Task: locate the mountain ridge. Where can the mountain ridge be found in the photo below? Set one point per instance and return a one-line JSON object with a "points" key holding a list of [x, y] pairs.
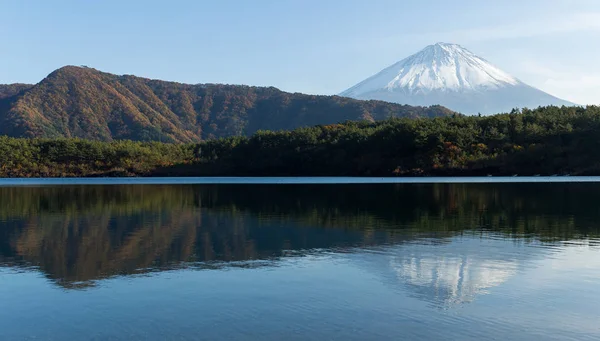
{"points": [[9, 90], [451, 76], [84, 102]]}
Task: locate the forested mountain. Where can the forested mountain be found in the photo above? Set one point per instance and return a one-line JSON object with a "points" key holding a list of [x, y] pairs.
{"points": [[86, 103], [8, 90]]}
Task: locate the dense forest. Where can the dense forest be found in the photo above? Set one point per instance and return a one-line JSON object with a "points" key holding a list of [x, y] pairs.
{"points": [[81, 102], [546, 141], [9, 90]]}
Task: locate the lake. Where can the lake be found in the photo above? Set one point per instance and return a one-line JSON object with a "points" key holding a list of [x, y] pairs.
{"points": [[305, 259]]}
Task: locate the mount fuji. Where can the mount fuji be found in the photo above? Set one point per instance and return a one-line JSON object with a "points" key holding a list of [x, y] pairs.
{"points": [[452, 76]]}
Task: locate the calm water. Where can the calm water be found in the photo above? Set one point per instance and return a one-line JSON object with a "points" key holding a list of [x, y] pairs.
{"points": [[300, 262]]}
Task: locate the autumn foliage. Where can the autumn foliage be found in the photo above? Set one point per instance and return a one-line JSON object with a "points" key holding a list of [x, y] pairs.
{"points": [[548, 140], [81, 102]]}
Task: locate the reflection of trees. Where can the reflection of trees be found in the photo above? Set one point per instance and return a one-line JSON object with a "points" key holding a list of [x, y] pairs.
{"points": [[547, 211], [81, 233], [80, 248]]}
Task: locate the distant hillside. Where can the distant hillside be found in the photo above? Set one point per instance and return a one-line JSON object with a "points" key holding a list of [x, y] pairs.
{"points": [[86, 103]]}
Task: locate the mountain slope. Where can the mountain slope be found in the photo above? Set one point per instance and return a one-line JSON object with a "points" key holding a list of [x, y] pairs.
{"points": [[8, 90], [86, 103], [452, 76]]}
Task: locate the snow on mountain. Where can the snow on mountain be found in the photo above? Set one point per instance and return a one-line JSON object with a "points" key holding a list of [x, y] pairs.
{"points": [[450, 75]]}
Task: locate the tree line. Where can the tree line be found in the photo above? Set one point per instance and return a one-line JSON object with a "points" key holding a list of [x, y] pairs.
{"points": [[546, 141]]}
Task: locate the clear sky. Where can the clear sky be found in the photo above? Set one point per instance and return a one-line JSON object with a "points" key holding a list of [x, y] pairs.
{"points": [[311, 46]]}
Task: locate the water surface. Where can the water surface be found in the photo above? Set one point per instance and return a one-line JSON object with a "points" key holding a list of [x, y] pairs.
{"points": [[292, 180], [369, 261]]}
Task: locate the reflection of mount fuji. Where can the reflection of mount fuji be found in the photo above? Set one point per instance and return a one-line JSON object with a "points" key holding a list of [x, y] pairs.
{"points": [[450, 273], [81, 234]]}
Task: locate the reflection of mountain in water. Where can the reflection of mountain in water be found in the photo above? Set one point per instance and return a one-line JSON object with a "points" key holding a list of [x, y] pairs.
{"points": [[447, 272], [84, 233], [453, 274]]}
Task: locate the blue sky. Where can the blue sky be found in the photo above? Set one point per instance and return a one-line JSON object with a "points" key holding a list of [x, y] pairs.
{"points": [[311, 46]]}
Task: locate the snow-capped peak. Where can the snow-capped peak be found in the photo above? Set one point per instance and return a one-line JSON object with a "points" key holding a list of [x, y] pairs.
{"points": [[440, 67]]}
